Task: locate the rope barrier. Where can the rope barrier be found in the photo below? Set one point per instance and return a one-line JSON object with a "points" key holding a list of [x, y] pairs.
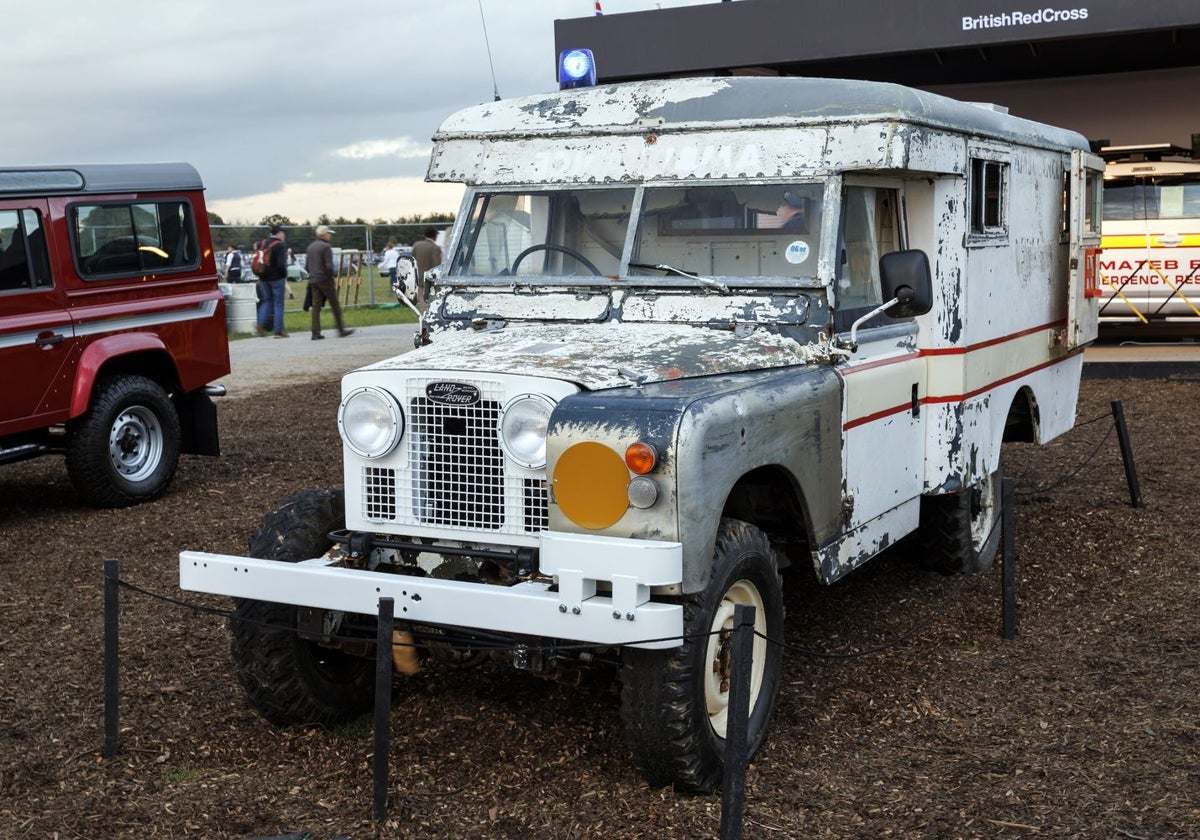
{"points": [[1055, 485]]}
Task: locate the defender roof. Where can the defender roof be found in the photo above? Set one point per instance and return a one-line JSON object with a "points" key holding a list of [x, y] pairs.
{"points": [[742, 102], [92, 178]]}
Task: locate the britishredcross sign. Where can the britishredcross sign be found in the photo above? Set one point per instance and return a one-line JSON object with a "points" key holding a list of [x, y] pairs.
{"points": [[1013, 19]]}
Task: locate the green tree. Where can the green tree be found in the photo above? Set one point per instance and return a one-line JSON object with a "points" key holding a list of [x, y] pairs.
{"points": [[276, 219]]}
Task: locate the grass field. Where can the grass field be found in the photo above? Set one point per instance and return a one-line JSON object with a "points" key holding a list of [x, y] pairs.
{"points": [[367, 303]]}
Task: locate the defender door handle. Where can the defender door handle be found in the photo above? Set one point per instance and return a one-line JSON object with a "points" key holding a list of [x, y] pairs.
{"points": [[49, 339]]}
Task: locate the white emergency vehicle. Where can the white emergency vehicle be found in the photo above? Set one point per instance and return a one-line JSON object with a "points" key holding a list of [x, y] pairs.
{"points": [[688, 332], [1149, 268]]}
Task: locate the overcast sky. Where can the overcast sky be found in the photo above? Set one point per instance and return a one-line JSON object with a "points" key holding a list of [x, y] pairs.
{"points": [[300, 107]]}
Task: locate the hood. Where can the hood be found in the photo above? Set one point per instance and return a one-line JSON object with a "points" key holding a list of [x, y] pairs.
{"points": [[607, 355]]}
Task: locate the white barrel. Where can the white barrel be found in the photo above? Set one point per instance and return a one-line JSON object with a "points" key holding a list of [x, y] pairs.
{"points": [[241, 305]]}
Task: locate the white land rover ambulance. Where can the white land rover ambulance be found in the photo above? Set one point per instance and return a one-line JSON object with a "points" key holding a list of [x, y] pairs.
{"points": [[687, 333]]}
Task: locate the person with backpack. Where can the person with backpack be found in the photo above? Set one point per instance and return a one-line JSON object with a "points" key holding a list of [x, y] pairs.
{"points": [[269, 263], [233, 264]]}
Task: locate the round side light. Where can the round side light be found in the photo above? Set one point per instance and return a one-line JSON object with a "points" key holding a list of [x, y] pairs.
{"points": [[643, 492]]}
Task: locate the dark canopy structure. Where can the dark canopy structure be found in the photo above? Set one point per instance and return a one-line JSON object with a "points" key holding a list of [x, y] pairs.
{"points": [[1109, 68]]}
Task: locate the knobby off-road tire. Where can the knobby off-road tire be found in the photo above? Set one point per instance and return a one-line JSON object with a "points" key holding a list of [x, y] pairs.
{"points": [[291, 680], [124, 449], [674, 702], [960, 532]]}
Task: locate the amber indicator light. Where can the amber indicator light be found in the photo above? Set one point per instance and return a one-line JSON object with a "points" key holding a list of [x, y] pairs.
{"points": [[641, 458]]}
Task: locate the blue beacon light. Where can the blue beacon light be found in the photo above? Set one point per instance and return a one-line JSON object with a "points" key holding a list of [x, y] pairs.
{"points": [[576, 68]]}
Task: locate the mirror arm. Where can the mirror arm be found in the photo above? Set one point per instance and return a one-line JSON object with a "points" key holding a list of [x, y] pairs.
{"points": [[852, 344]]}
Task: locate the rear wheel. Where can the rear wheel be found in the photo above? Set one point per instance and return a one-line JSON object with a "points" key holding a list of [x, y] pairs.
{"points": [[124, 449], [675, 703], [289, 679], [960, 532]]}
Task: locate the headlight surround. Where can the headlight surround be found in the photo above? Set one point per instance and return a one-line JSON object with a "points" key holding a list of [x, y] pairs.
{"points": [[370, 422], [524, 422]]}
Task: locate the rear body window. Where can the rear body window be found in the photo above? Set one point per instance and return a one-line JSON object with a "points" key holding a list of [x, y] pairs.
{"points": [[23, 262], [147, 237]]}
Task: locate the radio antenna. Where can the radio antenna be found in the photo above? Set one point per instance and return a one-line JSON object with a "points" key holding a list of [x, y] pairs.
{"points": [[487, 43]]}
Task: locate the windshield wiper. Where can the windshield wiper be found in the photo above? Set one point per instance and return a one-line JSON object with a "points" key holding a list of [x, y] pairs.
{"points": [[670, 269]]}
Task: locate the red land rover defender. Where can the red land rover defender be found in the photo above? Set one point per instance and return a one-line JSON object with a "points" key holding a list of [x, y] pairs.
{"points": [[111, 324]]}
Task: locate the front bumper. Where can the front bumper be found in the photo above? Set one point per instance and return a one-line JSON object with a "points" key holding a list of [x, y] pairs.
{"points": [[580, 564]]}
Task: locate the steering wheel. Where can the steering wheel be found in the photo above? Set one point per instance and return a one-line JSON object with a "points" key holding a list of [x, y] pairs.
{"points": [[570, 252]]}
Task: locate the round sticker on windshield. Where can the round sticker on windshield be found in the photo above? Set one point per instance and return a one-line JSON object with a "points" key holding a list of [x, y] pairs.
{"points": [[797, 252]]}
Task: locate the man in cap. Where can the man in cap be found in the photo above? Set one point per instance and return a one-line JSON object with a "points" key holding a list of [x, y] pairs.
{"points": [[428, 254], [319, 263]]}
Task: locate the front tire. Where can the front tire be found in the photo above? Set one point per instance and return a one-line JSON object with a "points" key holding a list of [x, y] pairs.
{"points": [[290, 680], [674, 703], [124, 449]]}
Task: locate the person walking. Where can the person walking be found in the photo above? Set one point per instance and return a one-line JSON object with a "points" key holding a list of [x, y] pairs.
{"points": [[273, 284], [318, 260], [428, 254]]}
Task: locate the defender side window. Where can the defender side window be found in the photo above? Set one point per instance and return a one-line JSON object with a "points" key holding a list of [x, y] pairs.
{"points": [[143, 238], [988, 186], [870, 229], [24, 265]]}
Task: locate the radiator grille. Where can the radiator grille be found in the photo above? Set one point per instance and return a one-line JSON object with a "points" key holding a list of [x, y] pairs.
{"points": [[457, 476], [457, 464]]}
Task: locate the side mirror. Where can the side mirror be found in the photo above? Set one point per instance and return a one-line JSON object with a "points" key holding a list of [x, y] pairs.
{"points": [[905, 276]]}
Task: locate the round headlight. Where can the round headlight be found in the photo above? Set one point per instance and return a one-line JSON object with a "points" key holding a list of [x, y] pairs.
{"points": [[523, 425], [371, 422]]}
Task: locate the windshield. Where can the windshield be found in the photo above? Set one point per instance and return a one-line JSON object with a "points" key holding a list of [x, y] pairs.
{"points": [[737, 231], [545, 234], [730, 231], [1175, 197]]}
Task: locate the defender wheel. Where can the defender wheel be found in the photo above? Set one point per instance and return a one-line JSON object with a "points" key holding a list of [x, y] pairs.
{"points": [[291, 680], [960, 532], [125, 447], [674, 703]]}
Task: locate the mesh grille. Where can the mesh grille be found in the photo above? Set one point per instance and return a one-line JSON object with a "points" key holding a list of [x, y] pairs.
{"points": [[379, 493], [456, 475], [535, 509], [457, 465]]}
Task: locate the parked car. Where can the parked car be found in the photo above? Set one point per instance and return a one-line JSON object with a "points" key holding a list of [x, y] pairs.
{"points": [[112, 328]]}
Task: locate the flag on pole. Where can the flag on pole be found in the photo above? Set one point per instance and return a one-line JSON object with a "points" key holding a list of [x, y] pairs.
{"points": [[598, 12]]}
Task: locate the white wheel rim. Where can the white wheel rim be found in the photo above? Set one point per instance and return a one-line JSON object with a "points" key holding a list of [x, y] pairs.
{"points": [[718, 665], [981, 523], [135, 443]]}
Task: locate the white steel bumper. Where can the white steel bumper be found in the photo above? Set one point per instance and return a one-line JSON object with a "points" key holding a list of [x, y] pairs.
{"points": [[575, 612]]}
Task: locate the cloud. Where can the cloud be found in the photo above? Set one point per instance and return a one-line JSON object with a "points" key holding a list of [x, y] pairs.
{"points": [[376, 198], [401, 147]]}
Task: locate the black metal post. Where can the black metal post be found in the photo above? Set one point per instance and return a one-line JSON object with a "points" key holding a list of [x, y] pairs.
{"points": [[1008, 548], [1131, 476], [737, 724], [383, 706], [112, 578]]}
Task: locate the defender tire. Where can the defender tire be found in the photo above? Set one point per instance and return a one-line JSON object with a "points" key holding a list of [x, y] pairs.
{"points": [[124, 449], [290, 680], [674, 702], [960, 532]]}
